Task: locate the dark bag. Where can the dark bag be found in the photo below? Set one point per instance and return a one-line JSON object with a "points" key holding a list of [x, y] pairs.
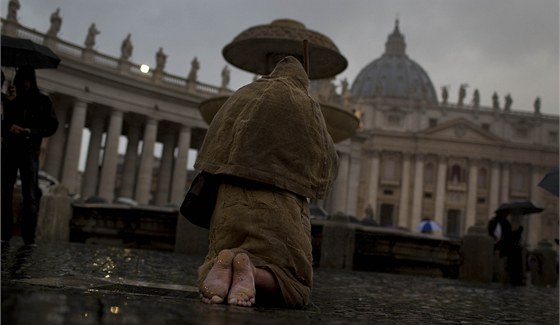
{"points": [[198, 205]]}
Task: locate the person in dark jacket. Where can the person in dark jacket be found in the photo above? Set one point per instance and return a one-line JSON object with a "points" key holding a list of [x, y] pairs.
{"points": [[508, 244], [28, 116]]}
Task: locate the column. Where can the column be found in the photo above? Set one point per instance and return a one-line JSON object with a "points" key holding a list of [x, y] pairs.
{"points": [[340, 189], [505, 183], [179, 180], [73, 146], [404, 216], [55, 150], [91, 173], [146, 167], [130, 159], [535, 221], [471, 196], [418, 191], [494, 202], [373, 182], [354, 180], [440, 190], [164, 176], [110, 157]]}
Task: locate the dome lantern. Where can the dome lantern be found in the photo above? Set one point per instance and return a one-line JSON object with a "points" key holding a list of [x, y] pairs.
{"points": [[394, 75], [395, 44]]}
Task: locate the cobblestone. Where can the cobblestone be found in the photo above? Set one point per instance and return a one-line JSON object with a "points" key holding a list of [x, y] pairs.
{"points": [[69, 283]]}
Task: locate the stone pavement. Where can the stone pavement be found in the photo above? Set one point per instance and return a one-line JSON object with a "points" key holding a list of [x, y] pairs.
{"points": [[69, 283]]}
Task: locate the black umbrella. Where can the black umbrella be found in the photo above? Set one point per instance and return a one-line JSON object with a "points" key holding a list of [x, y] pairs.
{"points": [[20, 52], [526, 207], [550, 181]]}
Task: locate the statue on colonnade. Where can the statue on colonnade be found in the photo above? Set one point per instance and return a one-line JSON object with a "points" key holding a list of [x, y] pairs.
{"points": [[161, 59], [90, 38], [537, 105], [13, 7], [10, 26], [56, 22], [225, 77], [195, 65], [126, 48]]}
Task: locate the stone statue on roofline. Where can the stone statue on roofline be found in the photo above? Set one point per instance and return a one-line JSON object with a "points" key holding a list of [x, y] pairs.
{"points": [[195, 65], [509, 102], [225, 77], [495, 101], [161, 59], [444, 94], [126, 48], [90, 38], [476, 99], [56, 22], [537, 105], [13, 7], [462, 93]]}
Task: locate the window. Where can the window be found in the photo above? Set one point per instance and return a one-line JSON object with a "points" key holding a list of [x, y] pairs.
{"points": [[553, 137], [483, 178], [386, 215], [394, 120], [453, 228], [429, 174], [390, 169], [455, 174], [521, 132], [486, 126], [432, 122], [518, 182]]}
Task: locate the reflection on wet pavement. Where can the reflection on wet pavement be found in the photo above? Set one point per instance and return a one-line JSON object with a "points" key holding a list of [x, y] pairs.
{"points": [[68, 283]]}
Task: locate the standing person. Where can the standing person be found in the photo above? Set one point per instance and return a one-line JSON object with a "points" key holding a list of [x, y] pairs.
{"points": [[508, 244], [28, 117], [270, 147]]}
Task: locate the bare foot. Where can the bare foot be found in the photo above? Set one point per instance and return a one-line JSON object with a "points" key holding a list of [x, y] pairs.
{"points": [[242, 291], [215, 287]]}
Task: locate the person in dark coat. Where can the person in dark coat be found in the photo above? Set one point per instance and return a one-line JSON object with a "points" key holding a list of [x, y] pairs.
{"points": [[28, 117], [508, 244]]}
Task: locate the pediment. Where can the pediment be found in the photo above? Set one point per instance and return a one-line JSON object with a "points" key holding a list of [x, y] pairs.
{"points": [[459, 129]]}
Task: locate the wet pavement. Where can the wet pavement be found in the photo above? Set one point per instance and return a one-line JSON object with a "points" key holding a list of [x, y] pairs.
{"points": [[70, 283]]}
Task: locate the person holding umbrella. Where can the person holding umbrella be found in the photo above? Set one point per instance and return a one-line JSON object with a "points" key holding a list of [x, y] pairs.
{"points": [[28, 117], [505, 227]]}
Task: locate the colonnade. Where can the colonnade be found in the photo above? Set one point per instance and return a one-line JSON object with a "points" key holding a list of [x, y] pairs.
{"points": [[102, 176], [366, 170]]}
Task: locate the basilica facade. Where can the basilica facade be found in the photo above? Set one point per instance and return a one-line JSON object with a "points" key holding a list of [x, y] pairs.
{"points": [[414, 155]]}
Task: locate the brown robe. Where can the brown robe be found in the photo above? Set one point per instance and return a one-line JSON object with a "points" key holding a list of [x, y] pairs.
{"points": [[270, 132]]}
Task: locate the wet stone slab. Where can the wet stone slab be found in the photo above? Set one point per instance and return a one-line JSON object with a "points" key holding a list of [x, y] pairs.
{"points": [[87, 284]]}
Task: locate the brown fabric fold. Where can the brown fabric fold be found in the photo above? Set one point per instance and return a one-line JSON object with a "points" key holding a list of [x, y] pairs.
{"points": [[270, 137], [272, 131], [272, 226]]}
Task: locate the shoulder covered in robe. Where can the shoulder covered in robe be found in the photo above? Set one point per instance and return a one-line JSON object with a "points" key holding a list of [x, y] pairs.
{"points": [[272, 131]]}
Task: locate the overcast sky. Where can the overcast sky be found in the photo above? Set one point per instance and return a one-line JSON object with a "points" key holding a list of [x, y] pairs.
{"points": [[507, 46]]}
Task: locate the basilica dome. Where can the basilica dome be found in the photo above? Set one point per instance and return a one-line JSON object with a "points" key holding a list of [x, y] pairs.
{"points": [[394, 74]]}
